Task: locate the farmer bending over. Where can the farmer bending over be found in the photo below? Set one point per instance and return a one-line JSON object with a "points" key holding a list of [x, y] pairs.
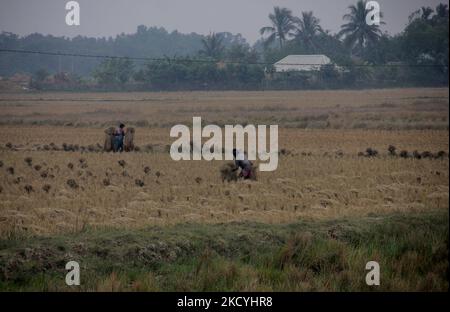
{"points": [[119, 134], [242, 162]]}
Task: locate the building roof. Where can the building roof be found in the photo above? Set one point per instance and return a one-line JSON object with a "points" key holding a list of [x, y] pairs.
{"points": [[302, 62]]}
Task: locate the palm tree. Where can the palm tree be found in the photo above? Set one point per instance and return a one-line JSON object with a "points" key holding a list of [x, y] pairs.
{"points": [[357, 32], [308, 28], [212, 46], [442, 11], [282, 26], [426, 13]]}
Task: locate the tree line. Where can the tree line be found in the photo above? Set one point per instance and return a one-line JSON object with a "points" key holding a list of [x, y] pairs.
{"points": [[418, 56]]}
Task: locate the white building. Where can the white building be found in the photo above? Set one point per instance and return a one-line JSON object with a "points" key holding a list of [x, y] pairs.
{"points": [[306, 63]]}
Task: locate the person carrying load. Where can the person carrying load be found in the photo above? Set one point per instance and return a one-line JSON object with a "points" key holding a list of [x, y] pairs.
{"points": [[242, 162], [119, 134]]}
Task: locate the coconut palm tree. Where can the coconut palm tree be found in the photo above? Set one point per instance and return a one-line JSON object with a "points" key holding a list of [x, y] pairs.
{"points": [[358, 34], [212, 46], [442, 11], [282, 26], [308, 29], [426, 13]]}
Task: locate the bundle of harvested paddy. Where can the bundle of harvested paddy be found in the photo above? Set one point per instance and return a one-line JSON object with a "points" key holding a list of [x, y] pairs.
{"points": [[228, 172]]}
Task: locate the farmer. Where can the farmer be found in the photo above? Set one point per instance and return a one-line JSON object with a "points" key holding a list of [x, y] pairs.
{"points": [[119, 134], [242, 162]]}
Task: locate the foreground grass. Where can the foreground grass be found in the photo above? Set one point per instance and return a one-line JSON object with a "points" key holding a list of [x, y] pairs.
{"points": [[412, 250]]}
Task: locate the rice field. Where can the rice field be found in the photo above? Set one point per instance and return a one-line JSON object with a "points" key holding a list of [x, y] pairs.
{"points": [[335, 162]]}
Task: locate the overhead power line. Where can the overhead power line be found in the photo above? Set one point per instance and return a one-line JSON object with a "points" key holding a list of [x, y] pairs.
{"points": [[180, 60]]}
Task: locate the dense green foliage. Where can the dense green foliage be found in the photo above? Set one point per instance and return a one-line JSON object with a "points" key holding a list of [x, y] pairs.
{"points": [[418, 56]]}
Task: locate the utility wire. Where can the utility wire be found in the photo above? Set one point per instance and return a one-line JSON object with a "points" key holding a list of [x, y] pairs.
{"points": [[181, 60]]}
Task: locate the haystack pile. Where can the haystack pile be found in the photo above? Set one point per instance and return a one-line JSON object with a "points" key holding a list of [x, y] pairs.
{"points": [[109, 139], [228, 172], [128, 141]]}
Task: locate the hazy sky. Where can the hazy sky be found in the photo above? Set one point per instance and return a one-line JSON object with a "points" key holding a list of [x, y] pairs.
{"points": [[110, 17]]}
